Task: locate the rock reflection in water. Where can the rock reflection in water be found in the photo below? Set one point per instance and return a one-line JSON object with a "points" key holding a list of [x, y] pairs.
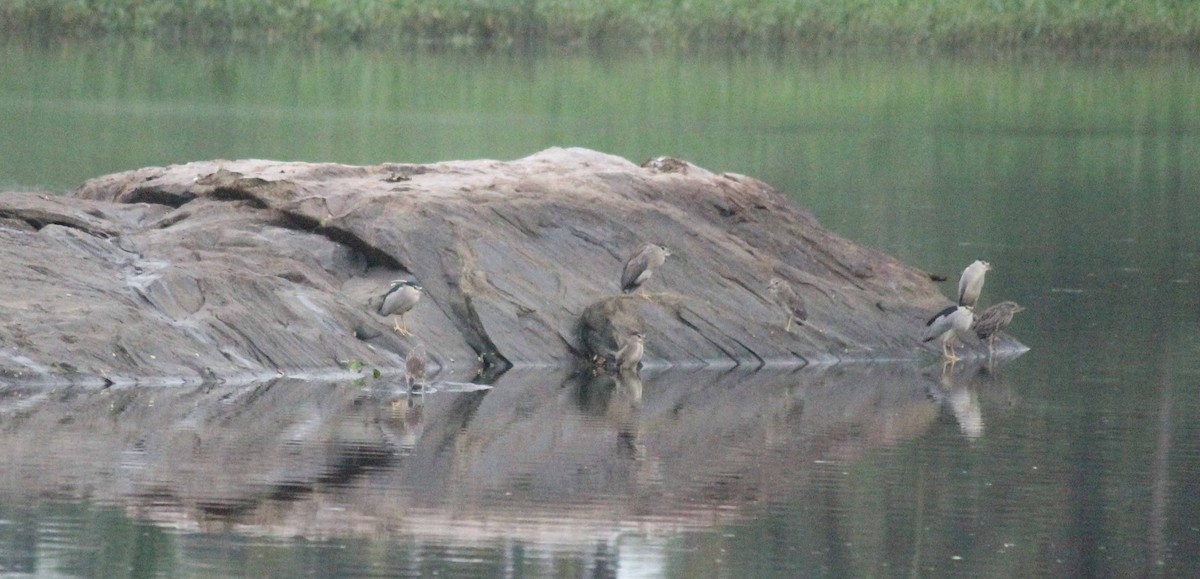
{"points": [[558, 461]]}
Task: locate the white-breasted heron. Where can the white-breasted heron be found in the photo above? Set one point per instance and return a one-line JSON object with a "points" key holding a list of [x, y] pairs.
{"points": [[992, 320], [641, 266], [948, 324], [791, 302], [971, 283], [401, 297]]}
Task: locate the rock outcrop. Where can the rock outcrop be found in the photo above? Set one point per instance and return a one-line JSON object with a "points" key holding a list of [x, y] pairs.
{"points": [[237, 270]]}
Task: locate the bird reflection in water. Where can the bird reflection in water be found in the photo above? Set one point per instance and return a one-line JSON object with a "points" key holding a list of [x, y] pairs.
{"points": [[403, 425], [959, 388], [955, 391], [618, 399]]}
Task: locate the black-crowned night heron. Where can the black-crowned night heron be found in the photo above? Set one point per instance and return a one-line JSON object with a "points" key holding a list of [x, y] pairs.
{"points": [[948, 324], [401, 297], [971, 283], [994, 319], [630, 352], [789, 300], [414, 366], [641, 266]]}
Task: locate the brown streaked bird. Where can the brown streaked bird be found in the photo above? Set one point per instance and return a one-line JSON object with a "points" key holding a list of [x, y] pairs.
{"points": [[970, 285], [414, 366], [789, 300], [641, 266], [949, 324], [993, 320]]}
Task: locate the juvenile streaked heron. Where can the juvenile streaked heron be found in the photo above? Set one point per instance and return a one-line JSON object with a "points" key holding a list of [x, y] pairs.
{"points": [[414, 366], [401, 297], [948, 324], [789, 300], [641, 266], [631, 351], [971, 283], [992, 320]]}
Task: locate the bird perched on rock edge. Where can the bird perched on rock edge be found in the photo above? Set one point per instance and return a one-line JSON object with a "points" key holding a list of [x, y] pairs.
{"points": [[630, 352], [971, 283], [948, 324], [992, 320], [789, 300], [414, 366], [400, 298], [641, 266]]}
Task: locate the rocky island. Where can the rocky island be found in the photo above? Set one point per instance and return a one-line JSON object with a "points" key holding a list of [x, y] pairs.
{"points": [[244, 270]]}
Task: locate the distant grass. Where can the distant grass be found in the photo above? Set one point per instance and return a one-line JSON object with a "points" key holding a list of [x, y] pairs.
{"points": [[686, 24]]}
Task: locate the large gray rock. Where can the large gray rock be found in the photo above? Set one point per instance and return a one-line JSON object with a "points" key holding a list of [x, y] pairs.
{"points": [[237, 270]]}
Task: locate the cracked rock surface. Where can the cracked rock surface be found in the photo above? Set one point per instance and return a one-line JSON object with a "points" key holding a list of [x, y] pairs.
{"points": [[217, 270]]}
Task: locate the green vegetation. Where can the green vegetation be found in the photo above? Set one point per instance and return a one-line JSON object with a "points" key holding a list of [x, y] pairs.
{"points": [[731, 24]]}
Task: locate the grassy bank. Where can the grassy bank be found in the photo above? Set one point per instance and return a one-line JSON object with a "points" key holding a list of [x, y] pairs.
{"points": [[749, 24]]}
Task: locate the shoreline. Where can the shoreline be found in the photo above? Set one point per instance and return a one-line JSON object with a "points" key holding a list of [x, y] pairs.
{"points": [[963, 27]]}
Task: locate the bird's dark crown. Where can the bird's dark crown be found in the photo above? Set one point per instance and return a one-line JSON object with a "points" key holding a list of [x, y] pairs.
{"points": [[399, 283]]}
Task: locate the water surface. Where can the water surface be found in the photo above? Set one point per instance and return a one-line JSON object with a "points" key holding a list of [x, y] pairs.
{"points": [[1076, 179]]}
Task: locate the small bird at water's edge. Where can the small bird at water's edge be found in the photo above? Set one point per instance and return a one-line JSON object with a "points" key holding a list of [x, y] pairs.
{"points": [[414, 366], [949, 324], [993, 320], [630, 352]]}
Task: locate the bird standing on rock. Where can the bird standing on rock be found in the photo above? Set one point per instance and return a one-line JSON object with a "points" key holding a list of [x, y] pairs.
{"points": [[630, 352], [401, 297], [992, 320], [414, 366], [789, 300], [948, 324], [971, 283], [641, 266]]}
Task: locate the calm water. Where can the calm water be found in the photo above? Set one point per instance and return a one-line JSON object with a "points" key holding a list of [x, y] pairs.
{"points": [[1078, 180]]}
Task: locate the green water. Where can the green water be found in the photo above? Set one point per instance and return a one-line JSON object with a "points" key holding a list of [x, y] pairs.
{"points": [[1077, 179]]}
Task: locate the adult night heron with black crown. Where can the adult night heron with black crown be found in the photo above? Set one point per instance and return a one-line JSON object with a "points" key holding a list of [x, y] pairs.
{"points": [[398, 300], [948, 324], [970, 285]]}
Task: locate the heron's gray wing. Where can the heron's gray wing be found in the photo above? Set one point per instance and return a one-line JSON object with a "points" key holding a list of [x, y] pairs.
{"points": [[939, 324]]}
